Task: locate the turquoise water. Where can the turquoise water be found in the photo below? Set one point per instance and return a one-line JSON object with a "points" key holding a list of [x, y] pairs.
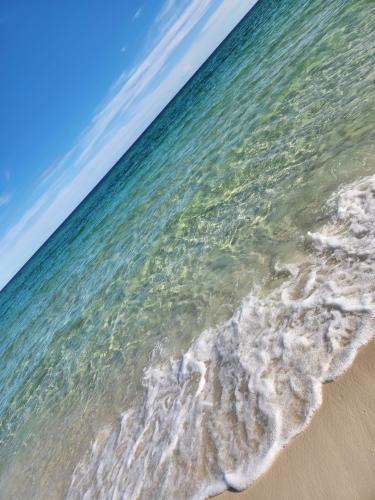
{"points": [[215, 198]]}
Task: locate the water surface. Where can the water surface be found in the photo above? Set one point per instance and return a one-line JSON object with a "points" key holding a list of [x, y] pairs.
{"points": [[210, 204]]}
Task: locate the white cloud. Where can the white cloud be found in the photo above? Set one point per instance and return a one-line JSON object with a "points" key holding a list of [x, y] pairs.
{"points": [[134, 101], [5, 199], [165, 11], [52, 167], [131, 86], [137, 14], [227, 15]]}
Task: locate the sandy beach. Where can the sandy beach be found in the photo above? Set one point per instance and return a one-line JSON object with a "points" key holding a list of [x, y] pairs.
{"points": [[335, 457]]}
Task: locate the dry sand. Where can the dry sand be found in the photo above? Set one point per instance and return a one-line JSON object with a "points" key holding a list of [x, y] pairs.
{"points": [[334, 459]]}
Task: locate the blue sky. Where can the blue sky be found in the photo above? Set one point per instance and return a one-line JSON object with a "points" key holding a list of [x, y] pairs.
{"points": [[80, 81]]}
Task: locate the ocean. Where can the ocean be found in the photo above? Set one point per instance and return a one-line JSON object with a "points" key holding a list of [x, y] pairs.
{"points": [[175, 332]]}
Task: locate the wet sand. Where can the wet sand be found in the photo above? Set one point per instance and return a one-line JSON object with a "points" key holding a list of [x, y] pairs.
{"points": [[334, 458]]}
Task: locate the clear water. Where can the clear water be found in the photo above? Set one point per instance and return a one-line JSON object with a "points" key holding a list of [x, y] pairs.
{"points": [[210, 203]]}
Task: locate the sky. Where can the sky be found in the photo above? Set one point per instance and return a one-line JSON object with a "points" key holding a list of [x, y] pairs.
{"points": [[79, 82]]}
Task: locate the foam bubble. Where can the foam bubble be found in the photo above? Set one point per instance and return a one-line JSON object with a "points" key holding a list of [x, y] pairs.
{"points": [[217, 417]]}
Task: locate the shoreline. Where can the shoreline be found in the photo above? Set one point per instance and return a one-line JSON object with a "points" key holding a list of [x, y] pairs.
{"points": [[334, 457]]}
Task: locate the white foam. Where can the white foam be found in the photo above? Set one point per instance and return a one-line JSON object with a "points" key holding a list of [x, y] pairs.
{"points": [[217, 417]]}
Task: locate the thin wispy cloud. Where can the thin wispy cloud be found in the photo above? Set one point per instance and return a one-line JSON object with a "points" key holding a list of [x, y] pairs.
{"points": [[137, 14], [52, 167], [131, 87], [5, 199], [166, 11], [134, 100], [229, 14]]}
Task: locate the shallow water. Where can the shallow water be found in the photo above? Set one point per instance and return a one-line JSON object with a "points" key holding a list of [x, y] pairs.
{"points": [[213, 203]]}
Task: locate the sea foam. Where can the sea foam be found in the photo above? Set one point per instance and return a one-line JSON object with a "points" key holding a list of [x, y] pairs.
{"points": [[216, 418]]}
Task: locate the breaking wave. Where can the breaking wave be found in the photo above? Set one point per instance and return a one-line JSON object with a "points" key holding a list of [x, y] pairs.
{"points": [[216, 418]]}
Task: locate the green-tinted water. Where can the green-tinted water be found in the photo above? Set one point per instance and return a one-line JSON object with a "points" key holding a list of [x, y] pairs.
{"points": [[223, 185]]}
